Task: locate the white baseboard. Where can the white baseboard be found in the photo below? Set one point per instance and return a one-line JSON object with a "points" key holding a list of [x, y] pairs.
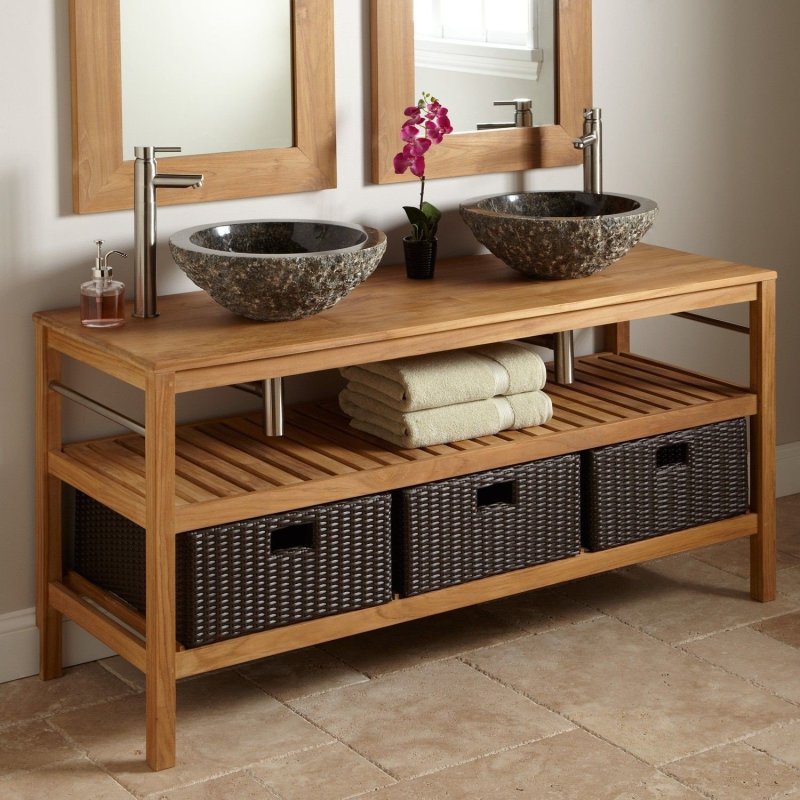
{"points": [[19, 636], [19, 645]]}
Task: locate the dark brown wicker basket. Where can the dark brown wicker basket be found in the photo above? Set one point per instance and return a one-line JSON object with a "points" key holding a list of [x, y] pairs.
{"points": [[482, 524], [250, 575], [647, 487]]}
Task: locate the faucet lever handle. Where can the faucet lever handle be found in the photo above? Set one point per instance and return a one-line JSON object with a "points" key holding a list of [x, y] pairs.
{"points": [[149, 152], [519, 103]]}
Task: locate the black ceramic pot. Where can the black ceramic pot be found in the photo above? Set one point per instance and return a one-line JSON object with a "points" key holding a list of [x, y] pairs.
{"points": [[420, 257]]}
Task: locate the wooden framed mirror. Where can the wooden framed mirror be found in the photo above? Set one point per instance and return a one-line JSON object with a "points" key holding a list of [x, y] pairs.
{"points": [[103, 178], [476, 152]]}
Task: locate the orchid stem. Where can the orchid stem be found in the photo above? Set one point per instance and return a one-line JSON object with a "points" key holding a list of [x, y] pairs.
{"points": [[421, 190]]}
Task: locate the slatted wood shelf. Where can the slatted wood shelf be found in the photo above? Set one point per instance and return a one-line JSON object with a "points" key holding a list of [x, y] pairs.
{"points": [[227, 469]]}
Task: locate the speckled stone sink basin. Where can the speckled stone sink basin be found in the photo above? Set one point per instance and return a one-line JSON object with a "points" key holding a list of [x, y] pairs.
{"points": [[275, 270], [556, 235]]}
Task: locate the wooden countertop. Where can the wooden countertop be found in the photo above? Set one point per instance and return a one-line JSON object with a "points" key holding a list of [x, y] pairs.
{"points": [[477, 298]]}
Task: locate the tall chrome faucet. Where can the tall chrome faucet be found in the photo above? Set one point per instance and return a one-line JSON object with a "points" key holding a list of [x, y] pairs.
{"points": [[146, 179], [592, 145]]}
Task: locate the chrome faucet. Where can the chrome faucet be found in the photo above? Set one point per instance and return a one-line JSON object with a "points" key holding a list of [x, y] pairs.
{"points": [[592, 145], [146, 179], [523, 115]]}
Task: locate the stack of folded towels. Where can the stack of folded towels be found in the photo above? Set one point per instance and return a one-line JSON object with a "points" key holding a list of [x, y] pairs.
{"points": [[445, 397]]}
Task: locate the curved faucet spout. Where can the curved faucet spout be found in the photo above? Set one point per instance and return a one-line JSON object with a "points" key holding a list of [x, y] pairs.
{"points": [[585, 141], [178, 181]]}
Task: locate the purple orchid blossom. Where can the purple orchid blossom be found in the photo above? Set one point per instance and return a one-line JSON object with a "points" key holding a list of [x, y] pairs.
{"points": [[426, 124]]}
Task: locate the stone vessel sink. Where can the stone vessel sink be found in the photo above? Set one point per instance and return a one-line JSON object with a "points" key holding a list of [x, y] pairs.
{"points": [[556, 235], [275, 270]]}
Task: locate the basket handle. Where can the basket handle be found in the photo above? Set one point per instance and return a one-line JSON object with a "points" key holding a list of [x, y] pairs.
{"points": [[668, 455], [502, 492], [299, 536]]}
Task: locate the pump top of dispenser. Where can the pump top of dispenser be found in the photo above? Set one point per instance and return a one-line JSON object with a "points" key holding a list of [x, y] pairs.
{"points": [[102, 269]]}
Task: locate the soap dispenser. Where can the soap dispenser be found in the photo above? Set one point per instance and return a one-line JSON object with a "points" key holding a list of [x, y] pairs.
{"points": [[103, 299]]}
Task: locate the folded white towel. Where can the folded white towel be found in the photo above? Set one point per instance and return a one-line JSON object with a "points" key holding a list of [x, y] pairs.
{"points": [[458, 376], [450, 423]]}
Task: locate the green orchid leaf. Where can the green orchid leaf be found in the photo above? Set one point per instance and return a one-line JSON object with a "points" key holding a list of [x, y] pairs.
{"points": [[420, 225], [431, 212], [424, 221]]}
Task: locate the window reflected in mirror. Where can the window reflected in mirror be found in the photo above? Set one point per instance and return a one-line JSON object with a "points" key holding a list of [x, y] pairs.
{"points": [[471, 53]]}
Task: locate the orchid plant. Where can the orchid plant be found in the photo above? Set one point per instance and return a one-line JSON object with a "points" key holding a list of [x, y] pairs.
{"points": [[426, 124]]}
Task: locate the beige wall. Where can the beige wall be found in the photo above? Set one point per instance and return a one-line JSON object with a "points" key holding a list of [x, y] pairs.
{"points": [[700, 100], [700, 103]]}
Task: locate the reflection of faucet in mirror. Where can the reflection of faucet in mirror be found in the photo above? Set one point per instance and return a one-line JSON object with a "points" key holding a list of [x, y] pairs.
{"points": [[592, 145], [523, 115], [146, 180]]}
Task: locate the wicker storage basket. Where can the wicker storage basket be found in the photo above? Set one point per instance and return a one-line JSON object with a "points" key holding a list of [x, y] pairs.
{"points": [[465, 528], [250, 575], [665, 483]]}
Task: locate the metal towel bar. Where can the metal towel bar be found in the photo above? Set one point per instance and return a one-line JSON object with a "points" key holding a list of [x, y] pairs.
{"points": [[98, 408]]}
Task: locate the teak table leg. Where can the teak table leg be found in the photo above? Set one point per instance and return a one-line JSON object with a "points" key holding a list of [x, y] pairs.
{"points": [[762, 442], [160, 566], [617, 337], [48, 507]]}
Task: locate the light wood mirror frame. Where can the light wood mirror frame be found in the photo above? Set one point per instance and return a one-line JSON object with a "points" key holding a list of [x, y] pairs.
{"points": [[472, 153], [103, 179]]}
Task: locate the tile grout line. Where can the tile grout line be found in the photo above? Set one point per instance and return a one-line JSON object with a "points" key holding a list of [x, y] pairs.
{"points": [[735, 740], [384, 769], [474, 759], [213, 776], [735, 627], [434, 660], [274, 792], [686, 785], [458, 655], [111, 671], [86, 755], [780, 760], [694, 554], [287, 704], [233, 771], [743, 740], [678, 645], [752, 681], [659, 768], [80, 756], [341, 741], [44, 716], [576, 725], [342, 661]]}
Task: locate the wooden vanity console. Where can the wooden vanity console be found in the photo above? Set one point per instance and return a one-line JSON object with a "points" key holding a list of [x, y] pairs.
{"points": [[213, 472]]}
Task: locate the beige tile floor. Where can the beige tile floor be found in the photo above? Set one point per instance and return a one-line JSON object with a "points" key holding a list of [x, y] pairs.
{"points": [[657, 681]]}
